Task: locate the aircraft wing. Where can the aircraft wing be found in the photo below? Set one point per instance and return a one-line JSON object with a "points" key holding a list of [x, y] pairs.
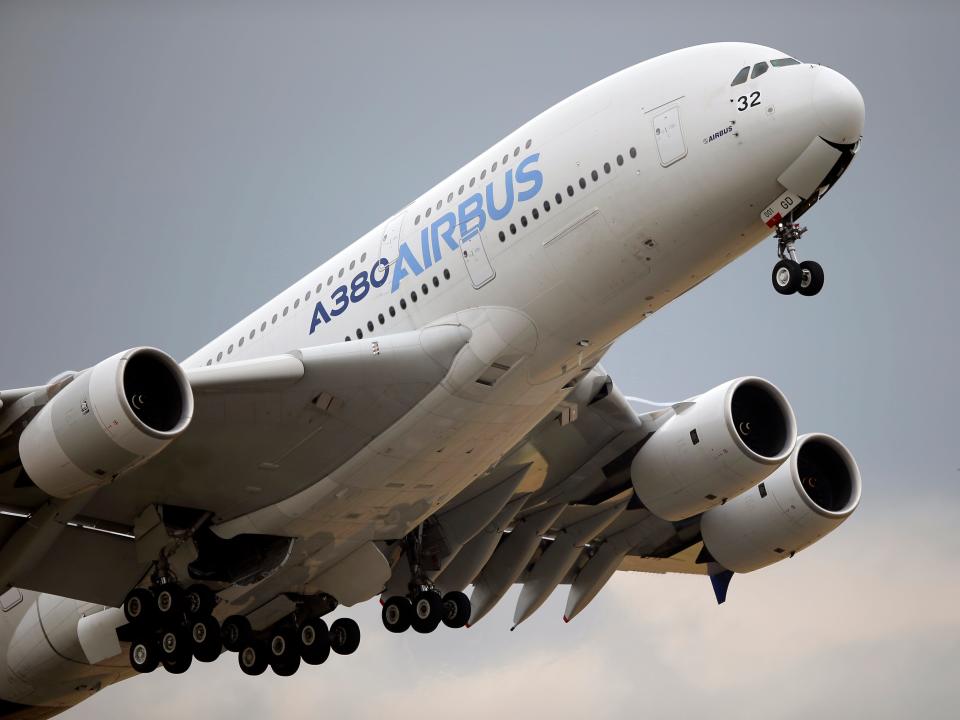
{"points": [[261, 430], [558, 509], [563, 512]]}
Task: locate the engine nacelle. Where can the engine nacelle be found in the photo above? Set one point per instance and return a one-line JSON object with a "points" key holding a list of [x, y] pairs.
{"points": [[803, 500], [110, 418], [723, 443], [59, 647]]}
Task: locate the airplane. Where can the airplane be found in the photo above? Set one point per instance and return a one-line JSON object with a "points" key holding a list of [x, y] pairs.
{"points": [[427, 411]]}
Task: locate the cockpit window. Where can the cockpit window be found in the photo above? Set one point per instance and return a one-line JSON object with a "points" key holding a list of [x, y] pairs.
{"points": [[759, 69], [741, 76], [783, 62]]}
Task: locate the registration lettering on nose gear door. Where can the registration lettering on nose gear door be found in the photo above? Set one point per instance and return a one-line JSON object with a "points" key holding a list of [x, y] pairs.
{"points": [[778, 208]]}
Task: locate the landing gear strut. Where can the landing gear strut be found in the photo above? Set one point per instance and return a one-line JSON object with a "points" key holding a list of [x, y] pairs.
{"points": [[790, 275], [423, 608]]}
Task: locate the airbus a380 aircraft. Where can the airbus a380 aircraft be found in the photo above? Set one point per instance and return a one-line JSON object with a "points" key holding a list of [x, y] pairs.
{"points": [[426, 412]]}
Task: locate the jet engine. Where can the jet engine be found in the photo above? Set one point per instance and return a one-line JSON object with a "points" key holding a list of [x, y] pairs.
{"points": [[803, 500], [108, 419], [714, 448]]}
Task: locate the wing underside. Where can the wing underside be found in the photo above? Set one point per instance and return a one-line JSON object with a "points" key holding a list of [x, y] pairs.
{"points": [[558, 509]]}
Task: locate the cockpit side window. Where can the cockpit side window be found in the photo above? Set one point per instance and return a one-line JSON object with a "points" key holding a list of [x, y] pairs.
{"points": [[741, 76], [759, 69], [783, 62]]}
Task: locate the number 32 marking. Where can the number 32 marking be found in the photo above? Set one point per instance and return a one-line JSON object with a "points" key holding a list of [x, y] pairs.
{"points": [[743, 102]]}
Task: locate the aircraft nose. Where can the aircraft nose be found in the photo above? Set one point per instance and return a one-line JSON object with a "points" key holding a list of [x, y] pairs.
{"points": [[839, 107]]}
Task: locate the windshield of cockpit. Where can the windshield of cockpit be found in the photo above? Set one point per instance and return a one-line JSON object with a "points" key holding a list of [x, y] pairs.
{"points": [[760, 68]]}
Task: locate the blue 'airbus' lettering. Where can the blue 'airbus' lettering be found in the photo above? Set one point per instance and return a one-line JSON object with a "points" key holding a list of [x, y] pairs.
{"points": [[455, 227], [448, 231]]}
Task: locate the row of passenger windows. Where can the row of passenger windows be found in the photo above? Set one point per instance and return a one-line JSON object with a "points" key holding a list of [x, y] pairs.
{"points": [[286, 311], [392, 311], [558, 197], [473, 181], [759, 69], [424, 288]]}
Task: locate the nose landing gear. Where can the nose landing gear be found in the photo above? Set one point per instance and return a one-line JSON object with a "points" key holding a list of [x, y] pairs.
{"points": [[789, 275]]}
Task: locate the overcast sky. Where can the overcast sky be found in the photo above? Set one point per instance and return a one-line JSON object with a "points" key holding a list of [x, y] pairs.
{"points": [[165, 168]]}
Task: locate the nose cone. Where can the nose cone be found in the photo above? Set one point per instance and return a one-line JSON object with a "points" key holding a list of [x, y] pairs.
{"points": [[839, 107]]}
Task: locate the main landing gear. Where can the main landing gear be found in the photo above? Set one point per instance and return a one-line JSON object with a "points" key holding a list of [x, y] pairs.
{"points": [[423, 608], [172, 627], [289, 643], [789, 275]]}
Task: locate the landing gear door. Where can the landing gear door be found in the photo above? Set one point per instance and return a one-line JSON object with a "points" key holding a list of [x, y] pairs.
{"points": [[668, 133], [390, 237], [475, 257]]}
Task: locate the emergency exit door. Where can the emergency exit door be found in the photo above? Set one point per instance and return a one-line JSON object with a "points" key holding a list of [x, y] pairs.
{"points": [[668, 133], [390, 237], [475, 257]]}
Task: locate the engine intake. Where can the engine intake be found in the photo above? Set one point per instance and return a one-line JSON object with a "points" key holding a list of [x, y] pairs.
{"points": [[724, 442], [110, 418], [804, 499]]}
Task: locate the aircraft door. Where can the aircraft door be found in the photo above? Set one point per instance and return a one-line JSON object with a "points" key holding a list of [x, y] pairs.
{"points": [[475, 257], [390, 237], [668, 133]]}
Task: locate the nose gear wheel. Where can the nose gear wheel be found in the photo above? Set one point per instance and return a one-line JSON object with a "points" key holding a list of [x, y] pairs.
{"points": [[789, 274]]}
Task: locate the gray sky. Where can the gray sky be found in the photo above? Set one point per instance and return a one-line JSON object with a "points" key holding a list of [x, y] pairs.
{"points": [[166, 168]]}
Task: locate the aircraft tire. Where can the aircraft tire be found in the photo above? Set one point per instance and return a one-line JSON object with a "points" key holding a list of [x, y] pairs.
{"points": [[283, 644], [786, 277], [199, 600], [314, 641], [397, 614], [811, 281], [179, 664], [234, 632], [169, 601], [139, 606], [286, 667], [205, 638], [427, 611], [344, 636], [144, 655], [456, 609], [252, 657]]}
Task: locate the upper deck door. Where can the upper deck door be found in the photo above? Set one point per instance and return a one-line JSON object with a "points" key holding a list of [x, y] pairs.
{"points": [[390, 237], [475, 258], [668, 133]]}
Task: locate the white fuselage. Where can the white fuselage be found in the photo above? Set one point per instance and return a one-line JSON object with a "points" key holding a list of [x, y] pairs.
{"points": [[544, 249], [624, 196]]}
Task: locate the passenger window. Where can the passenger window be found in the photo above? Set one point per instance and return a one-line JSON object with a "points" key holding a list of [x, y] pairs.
{"points": [[783, 62], [758, 70], [741, 76]]}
